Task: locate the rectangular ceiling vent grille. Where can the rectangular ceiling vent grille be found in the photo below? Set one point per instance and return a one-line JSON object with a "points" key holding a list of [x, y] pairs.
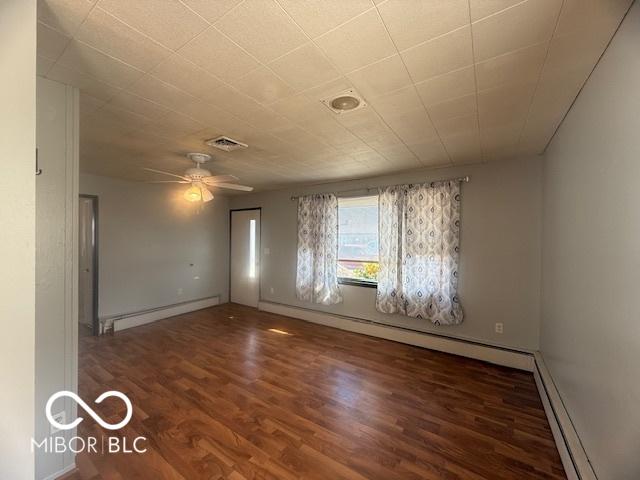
{"points": [[225, 143]]}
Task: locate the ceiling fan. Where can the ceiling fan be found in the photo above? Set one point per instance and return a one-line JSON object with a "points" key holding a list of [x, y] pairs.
{"points": [[200, 179]]}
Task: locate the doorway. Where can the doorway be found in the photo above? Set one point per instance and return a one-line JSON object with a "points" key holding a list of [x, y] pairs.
{"points": [[88, 266], [244, 271]]}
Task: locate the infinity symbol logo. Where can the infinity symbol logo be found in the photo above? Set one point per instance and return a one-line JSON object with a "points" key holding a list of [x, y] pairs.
{"points": [[89, 410]]}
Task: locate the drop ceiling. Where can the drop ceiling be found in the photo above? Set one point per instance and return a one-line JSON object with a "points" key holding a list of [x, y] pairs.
{"points": [[446, 82]]}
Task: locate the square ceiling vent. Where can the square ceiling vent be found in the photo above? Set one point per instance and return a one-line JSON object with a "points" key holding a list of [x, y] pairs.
{"points": [[225, 143], [344, 102]]}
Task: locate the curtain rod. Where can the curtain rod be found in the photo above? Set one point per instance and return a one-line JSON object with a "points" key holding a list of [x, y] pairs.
{"points": [[464, 179]]}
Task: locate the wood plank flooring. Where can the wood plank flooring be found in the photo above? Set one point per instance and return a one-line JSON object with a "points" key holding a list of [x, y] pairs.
{"points": [[221, 396]]}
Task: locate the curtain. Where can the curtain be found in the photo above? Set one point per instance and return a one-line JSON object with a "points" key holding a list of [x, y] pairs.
{"points": [[419, 228], [316, 276]]}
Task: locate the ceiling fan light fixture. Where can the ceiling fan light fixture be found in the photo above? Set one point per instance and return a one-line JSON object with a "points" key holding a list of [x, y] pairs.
{"points": [[207, 196], [193, 194]]}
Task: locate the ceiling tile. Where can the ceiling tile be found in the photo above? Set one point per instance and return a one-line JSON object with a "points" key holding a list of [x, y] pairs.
{"points": [[578, 16], [525, 24], [218, 55], [301, 107], [187, 76], [263, 86], [328, 89], [447, 86], [516, 67], [464, 149], [139, 105], [458, 107], [319, 16], [381, 77], [64, 15], [43, 65], [263, 29], [160, 92], [413, 22], [357, 43], [484, 8], [168, 22], [430, 153], [413, 126], [440, 55], [89, 104], [397, 102], [113, 37], [85, 59], [457, 125], [304, 68], [173, 126], [85, 83], [211, 10], [51, 43]]}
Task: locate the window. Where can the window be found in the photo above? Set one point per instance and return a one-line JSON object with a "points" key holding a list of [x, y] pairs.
{"points": [[358, 240]]}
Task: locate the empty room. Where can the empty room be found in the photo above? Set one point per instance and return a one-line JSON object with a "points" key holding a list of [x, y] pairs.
{"points": [[319, 239]]}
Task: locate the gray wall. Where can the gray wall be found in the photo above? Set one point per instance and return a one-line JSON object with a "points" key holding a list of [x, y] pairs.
{"points": [[499, 260], [17, 240], [148, 238], [590, 335]]}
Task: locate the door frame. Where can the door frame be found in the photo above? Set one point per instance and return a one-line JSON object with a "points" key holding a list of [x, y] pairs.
{"points": [[259, 252], [95, 324]]}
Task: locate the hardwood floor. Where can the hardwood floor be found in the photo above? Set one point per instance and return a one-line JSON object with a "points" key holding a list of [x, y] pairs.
{"points": [[220, 395]]}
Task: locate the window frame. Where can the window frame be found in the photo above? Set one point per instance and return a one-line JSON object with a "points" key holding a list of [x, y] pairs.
{"points": [[354, 282]]}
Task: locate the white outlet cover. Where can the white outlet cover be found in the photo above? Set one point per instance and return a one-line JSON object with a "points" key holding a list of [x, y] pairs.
{"points": [[271, 290], [499, 328]]}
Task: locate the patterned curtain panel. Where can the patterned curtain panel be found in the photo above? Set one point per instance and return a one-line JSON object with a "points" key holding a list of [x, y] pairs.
{"points": [[316, 277], [419, 228]]}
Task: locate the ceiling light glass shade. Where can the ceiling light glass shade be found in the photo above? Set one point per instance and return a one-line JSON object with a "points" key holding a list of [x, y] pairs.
{"points": [[193, 194], [345, 103], [207, 196]]}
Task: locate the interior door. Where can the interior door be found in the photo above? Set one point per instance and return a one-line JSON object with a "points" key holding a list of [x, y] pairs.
{"points": [[245, 257], [87, 263]]}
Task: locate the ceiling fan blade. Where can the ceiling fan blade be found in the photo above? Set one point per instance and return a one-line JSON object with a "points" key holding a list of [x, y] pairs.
{"points": [[166, 173], [219, 179], [233, 186], [167, 181]]}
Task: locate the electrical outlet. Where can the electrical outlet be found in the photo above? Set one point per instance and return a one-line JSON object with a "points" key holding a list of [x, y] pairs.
{"points": [[499, 327], [271, 290], [59, 417]]}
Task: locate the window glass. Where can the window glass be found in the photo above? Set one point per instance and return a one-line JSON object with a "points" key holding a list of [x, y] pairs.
{"points": [[358, 238]]}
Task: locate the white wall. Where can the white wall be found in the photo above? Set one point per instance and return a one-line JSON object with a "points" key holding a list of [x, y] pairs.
{"points": [[56, 260], [590, 336], [499, 258], [17, 240], [148, 238]]}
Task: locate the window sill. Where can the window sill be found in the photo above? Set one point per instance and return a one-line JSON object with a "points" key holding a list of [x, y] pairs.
{"points": [[357, 283]]}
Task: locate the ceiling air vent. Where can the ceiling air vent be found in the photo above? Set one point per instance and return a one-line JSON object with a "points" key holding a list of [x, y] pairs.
{"points": [[225, 143], [343, 102]]}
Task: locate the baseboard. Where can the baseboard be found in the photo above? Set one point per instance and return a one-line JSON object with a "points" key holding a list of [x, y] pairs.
{"points": [[61, 473], [487, 353], [135, 319], [574, 458]]}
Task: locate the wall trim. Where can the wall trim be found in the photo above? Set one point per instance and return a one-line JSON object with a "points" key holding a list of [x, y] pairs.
{"points": [[142, 317], [574, 458], [61, 473], [488, 353]]}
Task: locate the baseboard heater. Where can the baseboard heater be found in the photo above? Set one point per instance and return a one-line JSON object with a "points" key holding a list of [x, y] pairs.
{"points": [[507, 357], [123, 321], [574, 458]]}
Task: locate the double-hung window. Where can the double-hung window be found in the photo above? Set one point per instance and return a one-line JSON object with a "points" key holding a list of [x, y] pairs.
{"points": [[358, 240]]}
